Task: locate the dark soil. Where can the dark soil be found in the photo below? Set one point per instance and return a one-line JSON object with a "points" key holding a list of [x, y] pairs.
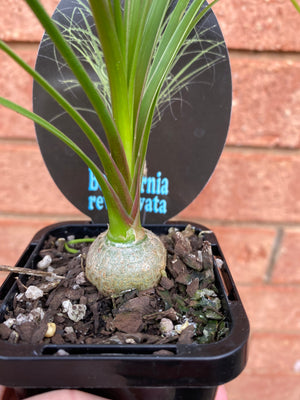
{"points": [[183, 308]]}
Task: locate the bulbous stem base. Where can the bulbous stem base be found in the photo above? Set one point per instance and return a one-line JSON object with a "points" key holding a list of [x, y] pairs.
{"points": [[115, 268]]}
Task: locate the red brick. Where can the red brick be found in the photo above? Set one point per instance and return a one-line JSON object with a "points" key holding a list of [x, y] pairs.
{"points": [[16, 85], [266, 111], [252, 24], [287, 269], [250, 186], [259, 24], [270, 372], [263, 347], [26, 186], [249, 387], [246, 250], [272, 308], [15, 235], [266, 102], [17, 22]]}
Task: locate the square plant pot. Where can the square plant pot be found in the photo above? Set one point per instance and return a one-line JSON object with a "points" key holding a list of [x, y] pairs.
{"points": [[127, 371]]}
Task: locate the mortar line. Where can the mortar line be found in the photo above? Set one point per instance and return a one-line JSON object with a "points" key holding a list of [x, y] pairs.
{"points": [[204, 221], [233, 52], [239, 223], [42, 217], [229, 148], [264, 54], [232, 148], [18, 140], [274, 254]]}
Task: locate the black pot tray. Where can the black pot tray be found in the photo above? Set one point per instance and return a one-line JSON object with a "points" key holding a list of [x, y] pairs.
{"points": [[119, 366]]}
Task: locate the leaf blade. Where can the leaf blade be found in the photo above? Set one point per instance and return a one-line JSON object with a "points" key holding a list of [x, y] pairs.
{"points": [[115, 207], [86, 83]]}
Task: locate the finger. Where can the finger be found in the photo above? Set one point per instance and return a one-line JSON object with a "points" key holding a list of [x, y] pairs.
{"points": [[66, 394], [7, 393], [221, 393]]}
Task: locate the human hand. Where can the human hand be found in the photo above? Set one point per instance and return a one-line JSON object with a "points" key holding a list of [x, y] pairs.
{"points": [[221, 393], [67, 394]]}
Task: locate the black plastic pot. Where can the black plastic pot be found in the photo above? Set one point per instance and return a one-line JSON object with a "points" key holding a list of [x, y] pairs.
{"points": [[127, 372]]}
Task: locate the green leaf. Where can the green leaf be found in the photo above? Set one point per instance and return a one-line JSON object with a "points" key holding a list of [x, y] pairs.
{"points": [[111, 170], [116, 69], [150, 35], [140, 41], [179, 25], [296, 5], [106, 119], [117, 214]]}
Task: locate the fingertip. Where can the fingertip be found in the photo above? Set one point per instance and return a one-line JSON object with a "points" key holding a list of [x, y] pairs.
{"points": [[66, 394], [221, 393]]}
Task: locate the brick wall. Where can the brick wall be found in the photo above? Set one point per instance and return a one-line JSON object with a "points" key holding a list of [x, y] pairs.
{"points": [[252, 201]]}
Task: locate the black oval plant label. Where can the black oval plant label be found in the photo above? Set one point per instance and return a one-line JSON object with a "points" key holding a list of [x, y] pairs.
{"points": [[186, 140]]}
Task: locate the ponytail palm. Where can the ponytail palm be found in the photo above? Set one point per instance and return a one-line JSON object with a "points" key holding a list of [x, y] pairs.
{"points": [[139, 44]]}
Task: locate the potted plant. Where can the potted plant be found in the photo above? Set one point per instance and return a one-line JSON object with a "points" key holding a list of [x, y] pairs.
{"points": [[139, 48], [140, 42]]}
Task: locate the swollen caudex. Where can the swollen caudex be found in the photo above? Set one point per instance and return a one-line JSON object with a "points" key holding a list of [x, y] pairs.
{"points": [[115, 268]]}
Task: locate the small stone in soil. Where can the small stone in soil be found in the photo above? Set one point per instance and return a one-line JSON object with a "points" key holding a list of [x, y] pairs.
{"points": [[45, 262], [76, 312], [166, 327], [33, 293]]}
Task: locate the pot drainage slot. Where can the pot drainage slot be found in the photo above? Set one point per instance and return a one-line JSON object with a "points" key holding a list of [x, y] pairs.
{"points": [[227, 284], [110, 350], [223, 273]]}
